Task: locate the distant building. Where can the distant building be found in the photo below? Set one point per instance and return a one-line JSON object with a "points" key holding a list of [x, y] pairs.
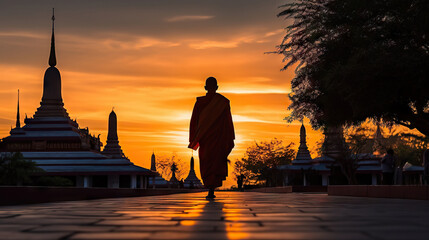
{"points": [[192, 180], [173, 180], [156, 181], [58, 146], [318, 171]]}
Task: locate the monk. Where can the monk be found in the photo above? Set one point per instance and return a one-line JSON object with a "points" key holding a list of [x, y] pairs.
{"points": [[212, 130]]}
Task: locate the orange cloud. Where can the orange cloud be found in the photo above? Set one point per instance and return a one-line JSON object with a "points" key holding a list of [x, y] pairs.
{"points": [[188, 18]]}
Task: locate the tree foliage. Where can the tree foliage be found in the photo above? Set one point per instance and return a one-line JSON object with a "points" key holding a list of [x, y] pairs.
{"points": [[408, 147], [360, 141], [15, 170], [54, 181], [164, 166], [358, 59], [261, 158]]}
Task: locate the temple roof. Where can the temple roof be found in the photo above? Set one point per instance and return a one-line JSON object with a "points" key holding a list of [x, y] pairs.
{"points": [[83, 162]]}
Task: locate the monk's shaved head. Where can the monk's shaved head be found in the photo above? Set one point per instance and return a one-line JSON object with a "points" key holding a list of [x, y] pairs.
{"points": [[211, 84]]}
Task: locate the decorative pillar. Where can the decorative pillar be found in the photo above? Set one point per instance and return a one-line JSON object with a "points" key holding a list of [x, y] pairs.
{"points": [[286, 180], [87, 181], [79, 181], [374, 179], [133, 181], [141, 179], [325, 180], [113, 181], [304, 180]]}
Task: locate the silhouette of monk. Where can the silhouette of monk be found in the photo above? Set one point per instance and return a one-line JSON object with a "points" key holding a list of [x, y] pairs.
{"points": [[212, 130]]}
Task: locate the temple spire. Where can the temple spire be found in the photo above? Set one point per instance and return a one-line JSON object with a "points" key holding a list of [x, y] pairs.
{"points": [[303, 156], [112, 134], [112, 148], [52, 103], [303, 135], [153, 162], [192, 163], [18, 122], [378, 141], [192, 180], [52, 57]]}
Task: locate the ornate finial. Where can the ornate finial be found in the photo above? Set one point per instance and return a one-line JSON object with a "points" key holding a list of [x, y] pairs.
{"points": [[18, 122], [302, 134], [52, 57], [192, 163]]}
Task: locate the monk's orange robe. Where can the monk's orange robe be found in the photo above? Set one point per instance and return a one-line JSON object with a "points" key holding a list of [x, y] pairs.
{"points": [[212, 130]]}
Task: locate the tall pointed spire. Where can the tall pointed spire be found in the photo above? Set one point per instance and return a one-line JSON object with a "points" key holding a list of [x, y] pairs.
{"points": [[153, 162], [52, 57], [192, 179], [112, 148], [303, 156], [378, 140], [334, 143], [192, 163], [52, 102], [18, 121], [303, 135], [112, 134]]}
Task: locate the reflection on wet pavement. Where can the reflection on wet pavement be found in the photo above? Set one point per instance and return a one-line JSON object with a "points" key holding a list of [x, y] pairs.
{"points": [[233, 215]]}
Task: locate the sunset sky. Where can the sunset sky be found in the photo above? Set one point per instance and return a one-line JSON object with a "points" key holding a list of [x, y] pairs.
{"points": [[149, 60]]}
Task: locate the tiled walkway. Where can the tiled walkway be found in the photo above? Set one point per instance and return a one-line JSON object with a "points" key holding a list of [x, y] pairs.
{"points": [[231, 216]]}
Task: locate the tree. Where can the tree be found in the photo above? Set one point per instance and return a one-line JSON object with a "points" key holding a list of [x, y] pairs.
{"points": [[54, 181], [15, 170], [359, 141], [164, 165], [358, 59], [407, 147], [261, 159]]}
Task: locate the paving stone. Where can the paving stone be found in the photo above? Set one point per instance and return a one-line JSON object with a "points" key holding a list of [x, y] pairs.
{"points": [[10, 235], [233, 215], [219, 223], [72, 228], [47, 221], [141, 221], [111, 235], [264, 235], [191, 228], [399, 234], [16, 227]]}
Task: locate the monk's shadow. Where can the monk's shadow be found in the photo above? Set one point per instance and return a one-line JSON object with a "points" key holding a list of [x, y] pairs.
{"points": [[210, 221]]}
